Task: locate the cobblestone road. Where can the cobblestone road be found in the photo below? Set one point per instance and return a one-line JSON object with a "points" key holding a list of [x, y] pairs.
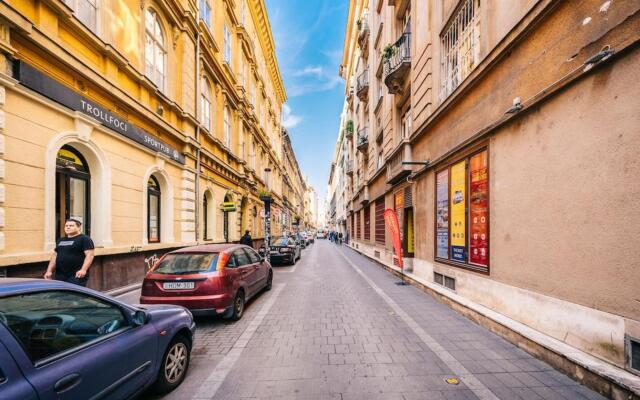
{"points": [[336, 326]]}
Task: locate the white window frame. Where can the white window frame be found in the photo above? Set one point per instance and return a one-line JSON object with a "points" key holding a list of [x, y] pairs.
{"points": [[205, 12], [460, 47], [78, 6], [227, 45], [159, 54], [205, 103], [227, 128]]}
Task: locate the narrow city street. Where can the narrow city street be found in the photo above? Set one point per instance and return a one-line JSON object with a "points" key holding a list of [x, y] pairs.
{"points": [[336, 326]]}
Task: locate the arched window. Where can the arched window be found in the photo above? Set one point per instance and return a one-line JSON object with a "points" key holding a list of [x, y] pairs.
{"points": [[208, 215], [153, 210], [72, 189], [227, 128], [205, 103], [154, 49]]}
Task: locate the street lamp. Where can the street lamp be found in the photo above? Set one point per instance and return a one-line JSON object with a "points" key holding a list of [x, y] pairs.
{"points": [[266, 198]]}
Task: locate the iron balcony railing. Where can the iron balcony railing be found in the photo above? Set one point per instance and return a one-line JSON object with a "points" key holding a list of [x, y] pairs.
{"points": [[400, 55], [363, 138], [362, 84]]}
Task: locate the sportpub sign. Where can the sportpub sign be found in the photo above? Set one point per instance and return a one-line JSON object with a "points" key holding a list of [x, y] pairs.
{"points": [[48, 87]]}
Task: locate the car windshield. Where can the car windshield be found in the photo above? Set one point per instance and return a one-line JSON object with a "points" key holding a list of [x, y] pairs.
{"points": [[187, 263], [281, 242]]}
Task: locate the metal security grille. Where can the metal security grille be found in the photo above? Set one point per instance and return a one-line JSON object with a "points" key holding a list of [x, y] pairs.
{"points": [[358, 225], [408, 197], [460, 47], [379, 221]]}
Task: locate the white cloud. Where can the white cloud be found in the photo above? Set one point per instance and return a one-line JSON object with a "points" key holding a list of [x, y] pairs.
{"points": [[289, 120], [313, 78]]}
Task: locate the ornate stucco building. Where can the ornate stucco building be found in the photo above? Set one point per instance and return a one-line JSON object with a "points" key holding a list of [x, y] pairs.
{"points": [[504, 136], [140, 119]]}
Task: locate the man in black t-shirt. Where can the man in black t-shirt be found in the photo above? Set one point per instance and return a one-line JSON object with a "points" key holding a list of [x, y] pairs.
{"points": [[73, 256]]}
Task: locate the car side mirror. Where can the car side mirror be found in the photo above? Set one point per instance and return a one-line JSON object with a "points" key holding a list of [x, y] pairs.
{"points": [[140, 318]]}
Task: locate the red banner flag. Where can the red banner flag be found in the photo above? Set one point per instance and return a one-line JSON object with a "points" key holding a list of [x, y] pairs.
{"points": [[391, 221]]}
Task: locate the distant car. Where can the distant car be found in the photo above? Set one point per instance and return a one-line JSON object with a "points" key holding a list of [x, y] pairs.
{"points": [[285, 250], [62, 341], [311, 238], [214, 279], [319, 235]]}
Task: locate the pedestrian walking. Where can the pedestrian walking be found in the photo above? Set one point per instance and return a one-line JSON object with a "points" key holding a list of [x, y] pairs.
{"points": [[340, 238], [72, 256], [246, 239]]}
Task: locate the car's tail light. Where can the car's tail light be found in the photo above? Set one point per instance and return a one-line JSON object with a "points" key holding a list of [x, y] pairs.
{"points": [[223, 259]]}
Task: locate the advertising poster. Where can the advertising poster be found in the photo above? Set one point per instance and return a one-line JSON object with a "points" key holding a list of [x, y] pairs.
{"points": [[478, 210], [442, 214], [399, 204], [458, 203]]}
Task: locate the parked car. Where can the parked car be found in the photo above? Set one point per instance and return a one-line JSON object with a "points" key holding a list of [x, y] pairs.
{"points": [[214, 279], [311, 238], [62, 341], [285, 250]]}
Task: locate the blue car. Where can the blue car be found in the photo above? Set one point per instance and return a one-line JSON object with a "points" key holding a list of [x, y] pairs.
{"points": [[61, 341]]}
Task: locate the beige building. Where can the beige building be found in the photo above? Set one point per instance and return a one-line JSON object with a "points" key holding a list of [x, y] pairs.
{"points": [[141, 119], [522, 126]]}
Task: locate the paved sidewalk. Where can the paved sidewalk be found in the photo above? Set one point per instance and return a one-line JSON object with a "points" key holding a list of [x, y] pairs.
{"points": [[340, 328]]}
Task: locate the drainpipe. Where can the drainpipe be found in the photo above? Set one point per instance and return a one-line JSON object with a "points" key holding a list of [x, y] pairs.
{"points": [[197, 95]]}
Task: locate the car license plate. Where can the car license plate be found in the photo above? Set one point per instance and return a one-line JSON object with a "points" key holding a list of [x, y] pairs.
{"points": [[178, 285]]}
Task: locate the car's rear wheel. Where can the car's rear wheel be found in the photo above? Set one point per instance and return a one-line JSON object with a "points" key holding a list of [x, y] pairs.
{"points": [[269, 281], [175, 364], [238, 306]]}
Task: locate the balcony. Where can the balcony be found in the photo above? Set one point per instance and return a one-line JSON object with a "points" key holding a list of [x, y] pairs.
{"points": [[348, 167], [362, 85], [363, 34], [396, 171], [364, 195], [363, 139], [397, 63], [348, 129]]}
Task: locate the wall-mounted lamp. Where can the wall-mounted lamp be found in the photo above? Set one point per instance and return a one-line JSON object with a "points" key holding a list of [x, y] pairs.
{"points": [[159, 109], [605, 53], [517, 106]]}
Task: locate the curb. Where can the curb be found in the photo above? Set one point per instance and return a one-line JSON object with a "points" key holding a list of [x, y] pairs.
{"points": [[123, 290], [604, 378]]}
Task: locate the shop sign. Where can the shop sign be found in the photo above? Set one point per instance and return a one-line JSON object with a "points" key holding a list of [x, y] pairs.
{"points": [[442, 215], [47, 86], [478, 210], [458, 204], [228, 206]]}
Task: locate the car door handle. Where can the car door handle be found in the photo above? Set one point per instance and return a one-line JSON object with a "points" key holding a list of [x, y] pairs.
{"points": [[66, 383]]}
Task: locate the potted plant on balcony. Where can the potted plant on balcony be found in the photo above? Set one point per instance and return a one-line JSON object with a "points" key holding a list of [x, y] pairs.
{"points": [[349, 128], [388, 51], [265, 195]]}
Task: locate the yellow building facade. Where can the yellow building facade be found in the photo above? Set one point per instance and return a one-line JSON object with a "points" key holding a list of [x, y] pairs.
{"points": [[140, 119]]}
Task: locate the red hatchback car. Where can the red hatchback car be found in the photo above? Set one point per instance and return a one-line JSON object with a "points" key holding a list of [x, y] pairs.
{"points": [[214, 279]]}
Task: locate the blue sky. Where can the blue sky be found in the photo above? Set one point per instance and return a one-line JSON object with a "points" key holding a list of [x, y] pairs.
{"points": [[309, 36]]}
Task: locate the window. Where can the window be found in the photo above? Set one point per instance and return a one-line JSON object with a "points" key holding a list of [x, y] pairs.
{"points": [[86, 11], [462, 221], [380, 161], [253, 155], [50, 323], [227, 128], [379, 221], [205, 12], [358, 225], [255, 257], [227, 46], [460, 47], [153, 210], [72, 190], [154, 49], [242, 258], [406, 125], [206, 213], [205, 104]]}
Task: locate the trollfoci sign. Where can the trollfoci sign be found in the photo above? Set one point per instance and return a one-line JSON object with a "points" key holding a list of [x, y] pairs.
{"points": [[47, 86]]}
